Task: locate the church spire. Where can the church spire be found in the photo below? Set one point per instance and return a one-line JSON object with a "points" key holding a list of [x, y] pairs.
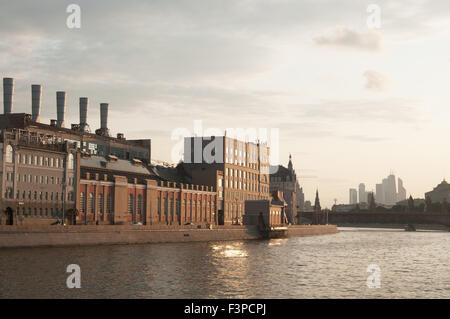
{"points": [[290, 167], [317, 207]]}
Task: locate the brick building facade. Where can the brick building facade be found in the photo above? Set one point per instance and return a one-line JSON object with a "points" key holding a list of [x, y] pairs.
{"points": [[238, 170], [116, 191]]}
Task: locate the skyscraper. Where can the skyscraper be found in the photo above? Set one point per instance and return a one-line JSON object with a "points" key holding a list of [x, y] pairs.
{"points": [[390, 191], [362, 193], [379, 194], [386, 192], [353, 196], [401, 194]]}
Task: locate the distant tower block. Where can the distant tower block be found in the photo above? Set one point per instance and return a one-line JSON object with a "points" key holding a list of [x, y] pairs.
{"points": [[8, 95], [36, 95]]}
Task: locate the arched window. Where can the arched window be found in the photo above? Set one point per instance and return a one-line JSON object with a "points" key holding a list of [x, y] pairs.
{"points": [[9, 154]]}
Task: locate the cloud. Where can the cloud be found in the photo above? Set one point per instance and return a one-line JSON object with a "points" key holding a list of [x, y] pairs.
{"points": [[376, 81], [366, 139], [344, 37], [368, 111]]}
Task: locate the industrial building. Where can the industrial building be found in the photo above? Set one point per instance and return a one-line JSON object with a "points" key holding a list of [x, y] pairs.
{"points": [[238, 170]]}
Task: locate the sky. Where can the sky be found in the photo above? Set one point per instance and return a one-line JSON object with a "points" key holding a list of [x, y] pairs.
{"points": [[352, 103]]}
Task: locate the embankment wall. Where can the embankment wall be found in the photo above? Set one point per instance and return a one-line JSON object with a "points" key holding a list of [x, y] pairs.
{"points": [[52, 236]]}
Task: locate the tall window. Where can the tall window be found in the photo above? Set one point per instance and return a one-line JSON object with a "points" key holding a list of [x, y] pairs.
{"points": [[70, 161], [108, 204], [82, 202], [100, 202], [166, 206], [194, 203], [189, 210], [159, 206], [170, 207], [9, 154], [91, 202], [177, 207], [130, 204], [139, 203]]}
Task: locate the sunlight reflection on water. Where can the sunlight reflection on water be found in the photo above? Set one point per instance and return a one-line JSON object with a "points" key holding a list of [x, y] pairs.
{"points": [[413, 265]]}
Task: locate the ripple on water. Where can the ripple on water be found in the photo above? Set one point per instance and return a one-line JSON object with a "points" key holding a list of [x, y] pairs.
{"points": [[413, 265]]}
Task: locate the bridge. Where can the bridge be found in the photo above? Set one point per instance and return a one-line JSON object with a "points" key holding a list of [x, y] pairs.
{"points": [[368, 217]]}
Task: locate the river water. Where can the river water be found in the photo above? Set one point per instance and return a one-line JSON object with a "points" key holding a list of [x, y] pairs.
{"points": [[412, 265]]}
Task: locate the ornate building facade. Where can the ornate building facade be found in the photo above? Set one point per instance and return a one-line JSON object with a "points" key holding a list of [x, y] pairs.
{"points": [[285, 180]]}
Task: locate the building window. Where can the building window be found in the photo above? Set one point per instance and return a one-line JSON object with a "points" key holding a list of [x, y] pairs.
{"points": [[130, 204], [139, 203], [100, 203], [82, 202], [70, 161], [91, 203], [159, 206], [166, 206], [108, 204], [189, 210]]}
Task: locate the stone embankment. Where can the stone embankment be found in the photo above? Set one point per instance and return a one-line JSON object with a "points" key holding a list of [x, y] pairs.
{"points": [[52, 236]]}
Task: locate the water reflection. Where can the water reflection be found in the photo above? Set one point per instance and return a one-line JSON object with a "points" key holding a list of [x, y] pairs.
{"points": [[413, 265], [229, 250], [277, 241]]}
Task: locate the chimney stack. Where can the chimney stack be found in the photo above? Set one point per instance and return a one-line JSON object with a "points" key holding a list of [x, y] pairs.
{"points": [[60, 107], [104, 108], [36, 94], [8, 94], [83, 113]]}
